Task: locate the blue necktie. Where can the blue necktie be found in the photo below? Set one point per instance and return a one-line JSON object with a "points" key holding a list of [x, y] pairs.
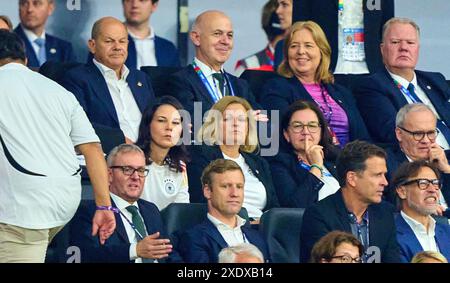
{"points": [[445, 131], [42, 56]]}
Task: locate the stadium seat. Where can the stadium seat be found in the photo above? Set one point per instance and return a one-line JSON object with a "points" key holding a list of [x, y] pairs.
{"points": [[280, 228], [256, 79], [55, 70], [159, 77]]}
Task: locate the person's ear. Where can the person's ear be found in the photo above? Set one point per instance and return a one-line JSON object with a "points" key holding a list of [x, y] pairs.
{"points": [[401, 192], [398, 134], [286, 136], [351, 178], [195, 38], [91, 45], [207, 191]]}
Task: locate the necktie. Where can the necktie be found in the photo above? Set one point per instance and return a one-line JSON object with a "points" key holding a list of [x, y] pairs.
{"points": [[445, 131], [42, 56], [220, 78], [137, 220]]}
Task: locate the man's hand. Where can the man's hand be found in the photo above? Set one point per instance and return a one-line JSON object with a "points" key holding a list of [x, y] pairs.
{"points": [[437, 156], [154, 248], [259, 116], [104, 224]]}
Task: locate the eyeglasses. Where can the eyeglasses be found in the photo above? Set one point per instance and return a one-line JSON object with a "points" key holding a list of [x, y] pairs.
{"points": [[418, 136], [423, 184], [128, 170], [348, 259], [298, 127]]}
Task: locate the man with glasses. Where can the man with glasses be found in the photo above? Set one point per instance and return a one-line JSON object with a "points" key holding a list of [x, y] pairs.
{"points": [[139, 236], [418, 187], [418, 139]]}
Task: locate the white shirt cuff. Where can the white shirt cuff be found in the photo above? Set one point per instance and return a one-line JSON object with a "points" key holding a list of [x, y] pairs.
{"points": [[133, 251]]}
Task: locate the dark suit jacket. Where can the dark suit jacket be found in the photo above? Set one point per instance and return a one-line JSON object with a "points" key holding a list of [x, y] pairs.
{"points": [[117, 247], [88, 85], [331, 214], [203, 242], [295, 186], [379, 100], [279, 93], [56, 49], [325, 13], [409, 244], [165, 52], [203, 155], [187, 87]]}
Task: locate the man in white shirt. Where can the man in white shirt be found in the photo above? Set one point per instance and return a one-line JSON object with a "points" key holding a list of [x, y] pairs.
{"points": [[140, 235], [145, 48], [418, 189], [42, 127], [223, 187], [111, 94]]}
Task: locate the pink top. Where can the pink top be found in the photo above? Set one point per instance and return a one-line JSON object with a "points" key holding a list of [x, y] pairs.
{"points": [[334, 114]]}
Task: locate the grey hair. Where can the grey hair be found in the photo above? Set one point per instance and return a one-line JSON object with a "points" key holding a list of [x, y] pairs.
{"points": [[413, 107], [228, 254], [121, 149], [398, 20]]}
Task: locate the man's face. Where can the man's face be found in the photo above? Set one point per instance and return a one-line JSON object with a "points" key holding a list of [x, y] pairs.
{"points": [[137, 12], [284, 12], [111, 46], [416, 121], [130, 187], [34, 13], [226, 196], [370, 183], [400, 48], [419, 201], [213, 40]]}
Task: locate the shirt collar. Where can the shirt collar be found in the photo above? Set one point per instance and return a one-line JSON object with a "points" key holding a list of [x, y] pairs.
{"points": [[404, 82], [240, 222], [207, 71], [417, 226], [108, 72], [31, 35], [151, 36], [121, 204]]}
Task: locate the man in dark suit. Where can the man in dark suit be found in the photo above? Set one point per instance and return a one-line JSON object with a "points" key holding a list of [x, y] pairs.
{"points": [[41, 46], [382, 94], [111, 94], [145, 48], [223, 187], [357, 207], [205, 80], [139, 234], [418, 188]]}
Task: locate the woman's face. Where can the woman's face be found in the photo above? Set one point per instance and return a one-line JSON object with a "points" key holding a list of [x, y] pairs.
{"points": [[304, 125], [304, 55], [166, 126], [234, 124]]}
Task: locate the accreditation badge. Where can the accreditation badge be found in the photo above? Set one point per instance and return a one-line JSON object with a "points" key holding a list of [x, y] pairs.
{"points": [[353, 45]]}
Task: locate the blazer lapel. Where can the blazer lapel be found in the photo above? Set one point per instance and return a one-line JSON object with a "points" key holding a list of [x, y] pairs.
{"points": [[51, 48], [137, 89], [214, 233], [31, 56], [342, 211], [198, 84], [146, 215], [131, 61], [120, 228], [394, 91], [442, 240], [436, 98], [406, 236]]}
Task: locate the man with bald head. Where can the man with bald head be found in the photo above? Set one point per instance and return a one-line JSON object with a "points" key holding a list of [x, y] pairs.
{"points": [[111, 94], [205, 80]]}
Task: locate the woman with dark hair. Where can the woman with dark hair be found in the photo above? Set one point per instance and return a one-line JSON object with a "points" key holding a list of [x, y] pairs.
{"points": [[305, 166], [160, 131]]}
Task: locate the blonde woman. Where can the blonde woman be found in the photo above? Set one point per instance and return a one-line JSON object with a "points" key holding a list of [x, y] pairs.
{"points": [[229, 132]]}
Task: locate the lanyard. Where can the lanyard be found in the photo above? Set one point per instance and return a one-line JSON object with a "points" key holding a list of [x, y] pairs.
{"points": [[307, 168], [215, 95], [328, 114], [405, 91], [116, 210]]}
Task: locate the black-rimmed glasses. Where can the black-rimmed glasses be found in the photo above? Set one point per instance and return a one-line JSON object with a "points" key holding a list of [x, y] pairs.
{"points": [[423, 183], [419, 135], [128, 170], [297, 127], [348, 259]]}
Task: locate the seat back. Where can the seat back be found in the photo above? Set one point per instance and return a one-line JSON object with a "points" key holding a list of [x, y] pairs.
{"points": [[280, 228], [159, 77], [256, 79], [55, 70]]}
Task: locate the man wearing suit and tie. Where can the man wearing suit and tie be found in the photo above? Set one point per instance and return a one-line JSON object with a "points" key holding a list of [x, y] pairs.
{"points": [[223, 187], [205, 80], [41, 46], [139, 235], [382, 94], [418, 188], [111, 94]]}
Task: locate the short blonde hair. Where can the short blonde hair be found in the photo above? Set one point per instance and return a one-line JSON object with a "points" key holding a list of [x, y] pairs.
{"points": [[323, 74], [209, 132], [422, 256]]}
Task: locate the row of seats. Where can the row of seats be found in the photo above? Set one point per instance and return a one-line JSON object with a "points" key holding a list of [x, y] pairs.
{"points": [[280, 228]]}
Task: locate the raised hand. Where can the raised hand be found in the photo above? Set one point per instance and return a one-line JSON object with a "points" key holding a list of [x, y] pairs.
{"points": [[437, 156]]}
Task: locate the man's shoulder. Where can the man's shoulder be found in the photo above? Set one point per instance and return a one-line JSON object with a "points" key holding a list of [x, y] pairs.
{"points": [[58, 41], [164, 43], [149, 206]]}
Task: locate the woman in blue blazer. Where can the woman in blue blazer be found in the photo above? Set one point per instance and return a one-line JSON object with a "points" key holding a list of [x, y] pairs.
{"points": [[305, 168], [307, 76]]}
